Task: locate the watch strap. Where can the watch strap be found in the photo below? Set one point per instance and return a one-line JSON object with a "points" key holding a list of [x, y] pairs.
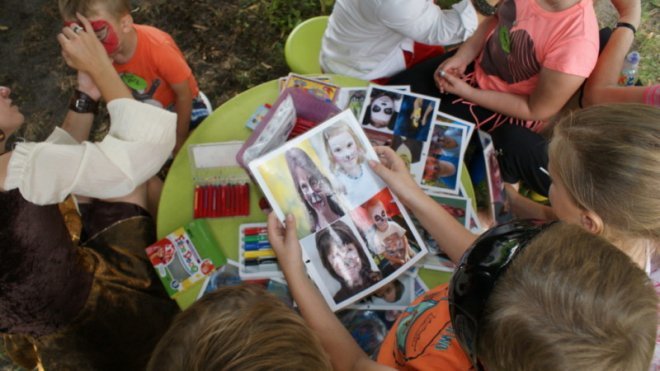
{"points": [[83, 103]]}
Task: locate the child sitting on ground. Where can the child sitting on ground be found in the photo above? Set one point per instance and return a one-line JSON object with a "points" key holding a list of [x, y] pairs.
{"points": [[239, 328], [147, 59], [531, 319]]}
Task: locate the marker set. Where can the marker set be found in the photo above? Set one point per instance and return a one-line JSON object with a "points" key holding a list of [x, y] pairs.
{"points": [[256, 257], [220, 200]]}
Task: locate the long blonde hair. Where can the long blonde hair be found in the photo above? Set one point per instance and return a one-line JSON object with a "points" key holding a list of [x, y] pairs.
{"points": [[608, 157]]}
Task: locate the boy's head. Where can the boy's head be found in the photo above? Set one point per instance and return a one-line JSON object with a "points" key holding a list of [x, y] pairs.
{"points": [[111, 19], [527, 297], [239, 328]]}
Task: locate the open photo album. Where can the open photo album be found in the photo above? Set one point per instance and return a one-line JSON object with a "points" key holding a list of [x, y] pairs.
{"points": [[356, 237]]}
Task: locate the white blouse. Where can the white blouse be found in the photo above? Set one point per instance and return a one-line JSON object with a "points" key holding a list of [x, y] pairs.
{"points": [[140, 139]]}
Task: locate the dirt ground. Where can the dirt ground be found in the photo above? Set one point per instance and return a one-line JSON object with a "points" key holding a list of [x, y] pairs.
{"points": [[230, 45]]}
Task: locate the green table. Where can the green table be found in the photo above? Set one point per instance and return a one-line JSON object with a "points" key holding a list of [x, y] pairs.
{"points": [[227, 123]]}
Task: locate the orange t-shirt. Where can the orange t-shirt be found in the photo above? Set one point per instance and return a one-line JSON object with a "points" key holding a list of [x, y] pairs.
{"points": [[422, 338], [156, 65]]}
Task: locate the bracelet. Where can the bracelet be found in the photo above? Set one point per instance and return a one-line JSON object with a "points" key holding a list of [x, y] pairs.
{"points": [[626, 25], [83, 103], [483, 7]]}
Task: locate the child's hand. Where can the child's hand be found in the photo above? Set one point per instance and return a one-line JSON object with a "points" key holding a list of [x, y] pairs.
{"points": [[450, 83], [454, 65], [284, 241], [81, 48], [392, 169]]}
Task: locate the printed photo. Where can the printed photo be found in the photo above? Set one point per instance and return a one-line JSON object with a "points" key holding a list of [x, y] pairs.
{"points": [[342, 152], [322, 177], [499, 202], [352, 99], [444, 155], [395, 295], [323, 90], [381, 108], [301, 185], [341, 260], [381, 225]]}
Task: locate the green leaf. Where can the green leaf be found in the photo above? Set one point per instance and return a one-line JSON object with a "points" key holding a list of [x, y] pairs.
{"points": [[505, 39]]}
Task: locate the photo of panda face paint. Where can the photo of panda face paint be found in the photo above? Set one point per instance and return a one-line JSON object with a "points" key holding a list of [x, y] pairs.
{"points": [[104, 32]]}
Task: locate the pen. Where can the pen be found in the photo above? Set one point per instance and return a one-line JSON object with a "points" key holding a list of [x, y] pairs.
{"points": [[265, 253], [255, 238], [250, 231], [256, 246], [260, 261]]}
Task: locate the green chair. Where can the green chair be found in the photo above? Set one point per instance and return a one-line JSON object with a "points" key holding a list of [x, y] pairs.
{"points": [[303, 46]]}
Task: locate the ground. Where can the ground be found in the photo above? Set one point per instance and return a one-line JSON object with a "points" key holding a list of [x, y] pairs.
{"points": [[231, 45]]}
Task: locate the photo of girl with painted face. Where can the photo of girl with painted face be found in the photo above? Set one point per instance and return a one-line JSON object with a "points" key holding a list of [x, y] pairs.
{"points": [[388, 239], [381, 110], [444, 157], [349, 165], [345, 260], [314, 189]]}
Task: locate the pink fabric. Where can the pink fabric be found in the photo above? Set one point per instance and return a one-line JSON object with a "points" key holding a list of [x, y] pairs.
{"points": [[652, 95], [565, 41]]}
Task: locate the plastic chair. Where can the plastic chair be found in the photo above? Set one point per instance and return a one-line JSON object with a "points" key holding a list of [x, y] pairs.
{"points": [[303, 45]]}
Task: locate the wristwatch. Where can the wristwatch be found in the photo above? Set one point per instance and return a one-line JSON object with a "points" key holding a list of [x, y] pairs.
{"points": [[83, 103]]}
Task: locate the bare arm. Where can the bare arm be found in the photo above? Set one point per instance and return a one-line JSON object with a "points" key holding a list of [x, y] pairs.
{"points": [[602, 86], [452, 237], [552, 92], [524, 208], [183, 110], [344, 352]]}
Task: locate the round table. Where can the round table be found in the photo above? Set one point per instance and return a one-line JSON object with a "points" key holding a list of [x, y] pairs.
{"points": [[227, 123]]}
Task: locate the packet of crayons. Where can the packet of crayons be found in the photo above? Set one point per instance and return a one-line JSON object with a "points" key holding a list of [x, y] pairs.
{"points": [[185, 256], [218, 200], [221, 184], [256, 257]]}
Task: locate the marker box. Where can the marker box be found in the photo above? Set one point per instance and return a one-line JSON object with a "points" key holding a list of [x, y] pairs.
{"points": [[255, 255]]}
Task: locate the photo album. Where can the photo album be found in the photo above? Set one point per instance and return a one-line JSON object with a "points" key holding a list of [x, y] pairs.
{"points": [[356, 237]]}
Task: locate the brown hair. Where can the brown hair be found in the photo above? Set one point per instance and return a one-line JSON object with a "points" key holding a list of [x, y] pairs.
{"points": [[239, 328], [116, 8], [608, 157], [570, 301]]}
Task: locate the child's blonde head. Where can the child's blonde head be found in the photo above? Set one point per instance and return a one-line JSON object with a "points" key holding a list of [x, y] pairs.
{"points": [[570, 301], [608, 158], [239, 328], [116, 8]]}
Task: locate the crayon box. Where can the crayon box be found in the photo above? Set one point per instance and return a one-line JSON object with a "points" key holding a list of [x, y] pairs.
{"points": [[185, 256]]}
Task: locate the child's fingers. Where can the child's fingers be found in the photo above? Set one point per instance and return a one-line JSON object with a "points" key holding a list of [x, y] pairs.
{"points": [[290, 232], [275, 232]]}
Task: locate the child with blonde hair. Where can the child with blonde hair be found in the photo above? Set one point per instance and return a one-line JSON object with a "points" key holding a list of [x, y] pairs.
{"points": [[147, 59], [545, 304], [239, 328]]}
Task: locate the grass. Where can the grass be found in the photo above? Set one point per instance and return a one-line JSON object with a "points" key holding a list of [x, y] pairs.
{"points": [[647, 42]]}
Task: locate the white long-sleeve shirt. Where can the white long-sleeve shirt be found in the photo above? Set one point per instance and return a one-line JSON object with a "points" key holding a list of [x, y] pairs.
{"points": [[366, 38], [140, 139]]}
